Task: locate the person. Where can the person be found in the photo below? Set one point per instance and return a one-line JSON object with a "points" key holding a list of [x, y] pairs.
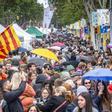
{"points": [[88, 85], [12, 96], [27, 97], [33, 108], [56, 103], [45, 94], [16, 76], [31, 78], [31, 67], [102, 97], [47, 71], [70, 97], [84, 103]]}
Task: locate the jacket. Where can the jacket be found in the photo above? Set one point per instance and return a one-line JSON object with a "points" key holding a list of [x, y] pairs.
{"points": [[83, 110], [27, 97], [54, 104], [12, 98]]}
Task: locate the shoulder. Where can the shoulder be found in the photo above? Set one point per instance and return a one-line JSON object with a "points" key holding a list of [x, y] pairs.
{"points": [[76, 109]]}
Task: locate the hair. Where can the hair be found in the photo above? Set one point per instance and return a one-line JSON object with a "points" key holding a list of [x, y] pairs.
{"points": [[88, 106], [30, 74], [69, 95], [46, 66], [83, 81], [22, 66], [39, 70], [47, 91], [61, 89], [33, 106], [58, 82], [29, 65]]}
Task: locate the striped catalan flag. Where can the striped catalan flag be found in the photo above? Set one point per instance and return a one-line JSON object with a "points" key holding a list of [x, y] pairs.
{"points": [[8, 41]]}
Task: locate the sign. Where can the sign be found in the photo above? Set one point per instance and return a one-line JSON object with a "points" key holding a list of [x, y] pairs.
{"points": [[83, 23], [103, 16], [103, 29], [86, 30], [94, 19], [48, 14]]}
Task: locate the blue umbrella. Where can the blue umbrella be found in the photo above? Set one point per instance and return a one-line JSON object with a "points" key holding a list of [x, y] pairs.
{"points": [[99, 74], [21, 49]]}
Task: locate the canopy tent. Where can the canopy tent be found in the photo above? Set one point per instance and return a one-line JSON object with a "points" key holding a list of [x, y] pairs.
{"points": [[23, 36], [44, 30], [2, 28], [34, 31]]}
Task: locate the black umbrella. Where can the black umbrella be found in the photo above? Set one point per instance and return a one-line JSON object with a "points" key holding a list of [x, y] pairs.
{"points": [[37, 61], [87, 58]]}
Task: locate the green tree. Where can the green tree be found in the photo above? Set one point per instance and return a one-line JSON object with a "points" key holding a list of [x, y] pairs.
{"points": [[69, 11], [20, 10]]}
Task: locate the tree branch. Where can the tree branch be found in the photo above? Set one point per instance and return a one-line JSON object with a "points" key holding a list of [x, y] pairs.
{"points": [[100, 3], [104, 3]]}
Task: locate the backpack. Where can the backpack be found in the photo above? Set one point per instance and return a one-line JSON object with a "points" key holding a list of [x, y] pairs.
{"points": [[4, 106]]}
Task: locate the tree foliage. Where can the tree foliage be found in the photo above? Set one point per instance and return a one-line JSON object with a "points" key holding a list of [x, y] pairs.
{"points": [[69, 11], [21, 11]]}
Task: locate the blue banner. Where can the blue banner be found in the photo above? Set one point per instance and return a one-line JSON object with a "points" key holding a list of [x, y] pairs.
{"points": [[103, 29]]}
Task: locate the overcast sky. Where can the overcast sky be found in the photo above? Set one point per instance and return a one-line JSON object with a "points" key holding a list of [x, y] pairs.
{"points": [[40, 1]]}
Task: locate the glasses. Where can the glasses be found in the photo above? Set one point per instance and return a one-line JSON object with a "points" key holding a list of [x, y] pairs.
{"points": [[87, 82]]}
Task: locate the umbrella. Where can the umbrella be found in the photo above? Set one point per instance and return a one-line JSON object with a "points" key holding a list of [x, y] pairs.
{"points": [[37, 61], [87, 58], [59, 44], [45, 53], [55, 48], [21, 49], [99, 74]]}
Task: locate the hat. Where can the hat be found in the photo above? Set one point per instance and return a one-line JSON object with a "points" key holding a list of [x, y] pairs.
{"points": [[70, 67], [65, 75], [109, 88], [81, 89]]}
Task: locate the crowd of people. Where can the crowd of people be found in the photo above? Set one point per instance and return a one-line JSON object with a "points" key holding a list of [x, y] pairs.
{"points": [[56, 86]]}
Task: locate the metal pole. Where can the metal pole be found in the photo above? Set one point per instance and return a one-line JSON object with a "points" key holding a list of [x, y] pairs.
{"points": [[110, 21]]}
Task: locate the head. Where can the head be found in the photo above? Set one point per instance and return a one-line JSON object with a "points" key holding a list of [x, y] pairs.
{"points": [[61, 90], [22, 67], [31, 76], [102, 86], [4, 69], [58, 82], [78, 82], [81, 89], [85, 101], [45, 93], [33, 108], [47, 68], [87, 84], [31, 67], [8, 66], [7, 86]]}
